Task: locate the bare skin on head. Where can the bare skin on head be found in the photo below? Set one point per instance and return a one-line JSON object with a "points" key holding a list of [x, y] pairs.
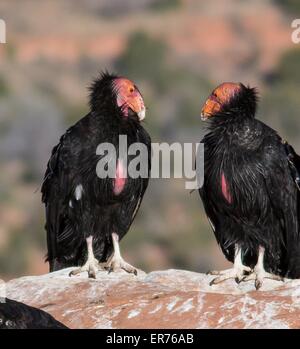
{"points": [[129, 97], [218, 98]]}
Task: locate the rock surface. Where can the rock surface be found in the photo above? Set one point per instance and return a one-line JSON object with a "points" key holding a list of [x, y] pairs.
{"points": [[161, 299]]}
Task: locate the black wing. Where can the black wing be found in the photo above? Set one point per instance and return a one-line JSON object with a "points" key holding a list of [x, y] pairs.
{"points": [[214, 217], [16, 315], [276, 168], [279, 165], [61, 178], [294, 240], [128, 209], [56, 190]]}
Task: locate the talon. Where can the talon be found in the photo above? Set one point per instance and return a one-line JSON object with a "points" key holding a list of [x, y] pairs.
{"points": [[212, 282], [91, 265], [92, 275], [75, 272], [238, 280], [244, 278], [236, 273], [218, 280], [116, 262], [258, 284], [259, 275]]}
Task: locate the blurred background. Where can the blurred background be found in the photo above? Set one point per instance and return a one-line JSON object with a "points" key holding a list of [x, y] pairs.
{"points": [[176, 51]]}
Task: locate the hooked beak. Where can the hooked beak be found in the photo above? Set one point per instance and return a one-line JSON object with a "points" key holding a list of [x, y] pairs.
{"points": [[211, 106], [142, 114], [203, 116]]}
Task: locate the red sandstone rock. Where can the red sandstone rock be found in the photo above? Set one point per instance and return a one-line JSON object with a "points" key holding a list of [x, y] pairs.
{"points": [[161, 299]]}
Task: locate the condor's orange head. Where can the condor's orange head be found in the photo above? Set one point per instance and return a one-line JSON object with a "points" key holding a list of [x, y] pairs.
{"points": [[129, 97], [220, 97], [116, 96]]}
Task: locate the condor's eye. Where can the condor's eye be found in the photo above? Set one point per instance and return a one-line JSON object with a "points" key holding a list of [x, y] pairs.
{"points": [[131, 89], [214, 96]]}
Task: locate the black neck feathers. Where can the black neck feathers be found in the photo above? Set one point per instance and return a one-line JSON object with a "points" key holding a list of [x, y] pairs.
{"points": [[103, 97], [241, 107]]}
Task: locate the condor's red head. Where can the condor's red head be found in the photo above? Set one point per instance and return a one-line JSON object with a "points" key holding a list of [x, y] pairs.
{"points": [[116, 96], [129, 97], [219, 98]]}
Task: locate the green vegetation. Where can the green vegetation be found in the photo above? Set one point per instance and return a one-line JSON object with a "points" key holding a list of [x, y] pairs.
{"points": [[288, 69], [74, 112], [291, 6], [165, 5], [145, 59], [29, 175], [282, 102], [281, 107], [13, 257], [10, 50], [4, 89]]}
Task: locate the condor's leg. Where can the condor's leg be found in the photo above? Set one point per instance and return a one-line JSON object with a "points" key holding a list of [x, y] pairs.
{"points": [[92, 264], [117, 262], [237, 272], [259, 273]]}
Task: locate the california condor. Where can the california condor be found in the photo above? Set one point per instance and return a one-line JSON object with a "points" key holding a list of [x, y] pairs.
{"points": [[87, 216], [251, 189], [16, 315]]}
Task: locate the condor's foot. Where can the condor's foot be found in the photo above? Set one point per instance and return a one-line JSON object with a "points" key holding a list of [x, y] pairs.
{"points": [[258, 275], [117, 263], [91, 266], [237, 273]]}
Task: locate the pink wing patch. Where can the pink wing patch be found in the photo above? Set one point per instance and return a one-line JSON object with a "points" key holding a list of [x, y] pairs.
{"points": [[120, 179], [225, 190]]}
